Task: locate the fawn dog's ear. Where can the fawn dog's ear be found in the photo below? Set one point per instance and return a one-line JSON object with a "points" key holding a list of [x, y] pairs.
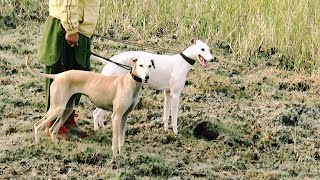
{"points": [[134, 60], [152, 62], [193, 41]]}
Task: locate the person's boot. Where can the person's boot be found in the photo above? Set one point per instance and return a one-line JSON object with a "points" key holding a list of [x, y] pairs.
{"points": [[63, 133], [72, 126]]}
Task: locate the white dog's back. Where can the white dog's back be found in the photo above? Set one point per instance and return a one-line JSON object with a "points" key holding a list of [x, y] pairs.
{"points": [[162, 74], [124, 58]]}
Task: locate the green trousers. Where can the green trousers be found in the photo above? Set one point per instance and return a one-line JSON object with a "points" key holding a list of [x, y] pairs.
{"points": [[58, 55]]}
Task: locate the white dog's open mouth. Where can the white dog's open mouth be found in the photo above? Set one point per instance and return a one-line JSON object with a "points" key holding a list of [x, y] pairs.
{"points": [[203, 62]]}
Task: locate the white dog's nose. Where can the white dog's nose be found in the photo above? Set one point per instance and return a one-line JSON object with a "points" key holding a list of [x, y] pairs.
{"points": [[214, 59]]}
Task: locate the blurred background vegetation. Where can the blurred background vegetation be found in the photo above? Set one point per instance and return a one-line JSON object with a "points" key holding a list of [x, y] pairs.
{"points": [[286, 31]]}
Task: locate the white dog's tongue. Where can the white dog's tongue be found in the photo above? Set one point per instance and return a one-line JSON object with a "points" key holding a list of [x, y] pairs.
{"points": [[203, 62]]}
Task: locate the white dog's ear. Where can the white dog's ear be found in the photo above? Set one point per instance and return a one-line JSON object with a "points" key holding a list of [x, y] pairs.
{"points": [[152, 62]]}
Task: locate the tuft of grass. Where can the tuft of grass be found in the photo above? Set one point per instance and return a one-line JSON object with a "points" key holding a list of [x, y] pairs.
{"points": [[150, 165]]}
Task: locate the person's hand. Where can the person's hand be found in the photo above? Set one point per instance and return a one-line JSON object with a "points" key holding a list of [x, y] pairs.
{"points": [[72, 39]]}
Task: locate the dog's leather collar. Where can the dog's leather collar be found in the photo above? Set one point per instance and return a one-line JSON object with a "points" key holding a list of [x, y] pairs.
{"points": [[138, 79], [189, 60]]}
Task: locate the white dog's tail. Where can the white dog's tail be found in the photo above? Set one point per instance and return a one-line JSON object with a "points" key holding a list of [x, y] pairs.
{"points": [[51, 76], [96, 58]]}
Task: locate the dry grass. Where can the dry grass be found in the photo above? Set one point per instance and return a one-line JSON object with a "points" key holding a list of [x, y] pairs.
{"points": [[267, 118], [287, 30], [252, 31]]}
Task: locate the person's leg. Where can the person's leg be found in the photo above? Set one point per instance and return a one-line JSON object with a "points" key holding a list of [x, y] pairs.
{"points": [[48, 54], [59, 56]]}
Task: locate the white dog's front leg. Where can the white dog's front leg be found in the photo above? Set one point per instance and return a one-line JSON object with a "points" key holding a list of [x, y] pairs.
{"points": [[95, 119], [98, 118], [174, 112], [166, 109]]}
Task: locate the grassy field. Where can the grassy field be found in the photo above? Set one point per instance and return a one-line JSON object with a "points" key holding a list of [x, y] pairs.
{"points": [[262, 98]]}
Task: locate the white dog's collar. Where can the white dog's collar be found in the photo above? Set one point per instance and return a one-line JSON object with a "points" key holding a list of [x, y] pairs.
{"points": [[189, 60]]}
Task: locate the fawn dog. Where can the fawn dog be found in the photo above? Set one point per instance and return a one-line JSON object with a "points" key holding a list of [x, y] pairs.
{"points": [[116, 93]]}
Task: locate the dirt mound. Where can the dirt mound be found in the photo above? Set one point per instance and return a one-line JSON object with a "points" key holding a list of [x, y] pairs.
{"points": [[206, 130]]}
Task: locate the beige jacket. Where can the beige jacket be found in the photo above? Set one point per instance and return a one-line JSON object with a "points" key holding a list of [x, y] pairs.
{"points": [[76, 15]]}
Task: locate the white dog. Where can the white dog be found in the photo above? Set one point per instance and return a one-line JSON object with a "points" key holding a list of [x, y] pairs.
{"points": [[169, 76], [117, 93]]}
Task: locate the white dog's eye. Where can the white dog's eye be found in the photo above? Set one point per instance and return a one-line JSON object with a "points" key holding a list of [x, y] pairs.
{"points": [[149, 66], [140, 65], [202, 49]]}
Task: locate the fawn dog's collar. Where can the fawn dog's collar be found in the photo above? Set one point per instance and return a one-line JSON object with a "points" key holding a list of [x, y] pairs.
{"points": [[138, 79]]}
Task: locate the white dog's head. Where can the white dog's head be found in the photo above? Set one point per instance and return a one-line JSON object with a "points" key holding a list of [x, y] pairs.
{"points": [[141, 68], [202, 51]]}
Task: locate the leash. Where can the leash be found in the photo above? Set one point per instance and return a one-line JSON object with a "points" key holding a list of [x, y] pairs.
{"points": [[132, 43], [107, 59], [136, 78], [186, 58]]}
